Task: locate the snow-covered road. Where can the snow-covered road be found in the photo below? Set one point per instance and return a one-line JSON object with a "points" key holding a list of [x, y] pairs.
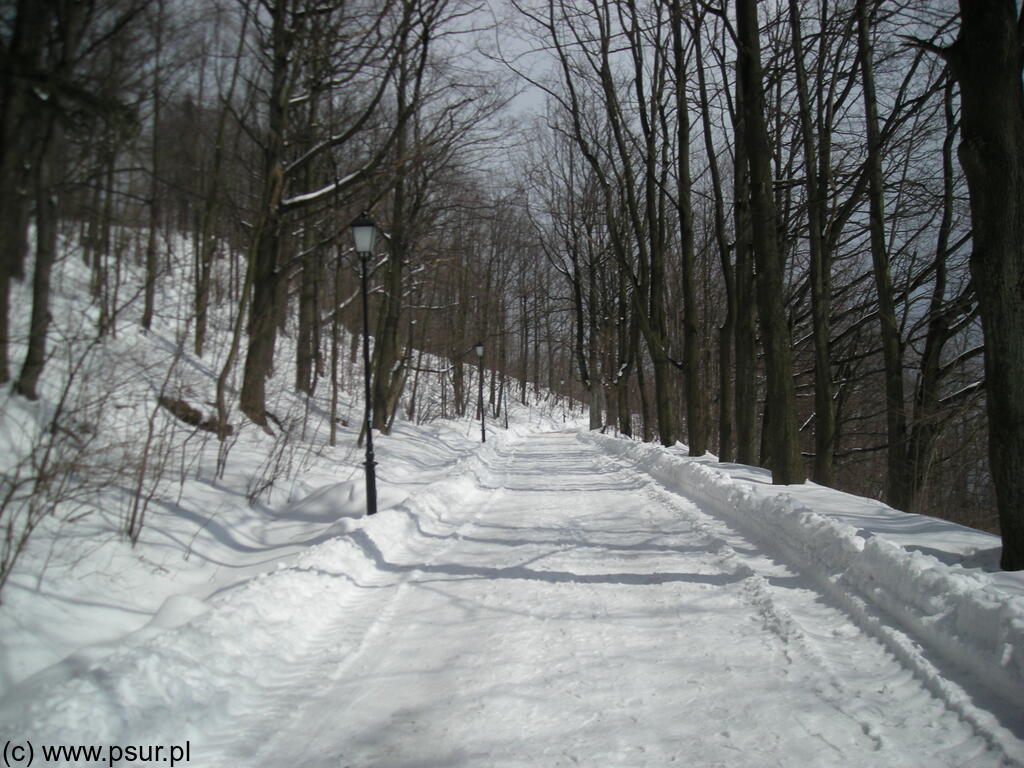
{"points": [[543, 602], [570, 611]]}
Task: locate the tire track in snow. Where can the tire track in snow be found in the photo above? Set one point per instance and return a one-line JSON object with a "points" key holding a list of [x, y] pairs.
{"points": [[356, 622], [819, 620], [621, 568], [284, 686], [581, 614], [808, 659], [570, 640], [777, 617], [541, 629]]}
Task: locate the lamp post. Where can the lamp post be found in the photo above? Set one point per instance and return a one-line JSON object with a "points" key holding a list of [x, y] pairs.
{"points": [[480, 362], [364, 232]]}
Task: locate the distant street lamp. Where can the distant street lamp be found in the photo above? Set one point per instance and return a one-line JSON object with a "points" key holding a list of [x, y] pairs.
{"points": [[364, 232], [480, 361]]}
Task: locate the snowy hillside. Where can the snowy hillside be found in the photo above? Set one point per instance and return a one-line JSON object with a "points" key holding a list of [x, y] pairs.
{"points": [[554, 597]]}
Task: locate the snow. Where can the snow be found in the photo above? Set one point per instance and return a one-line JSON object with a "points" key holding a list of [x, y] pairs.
{"points": [[911, 581], [557, 598], [552, 597], [912, 567], [319, 194]]}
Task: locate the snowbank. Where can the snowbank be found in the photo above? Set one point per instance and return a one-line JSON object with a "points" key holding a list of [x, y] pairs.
{"points": [[178, 676], [958, 613]]}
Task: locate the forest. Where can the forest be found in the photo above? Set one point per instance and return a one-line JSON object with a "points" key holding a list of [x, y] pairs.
{"points": [[788, 233]]}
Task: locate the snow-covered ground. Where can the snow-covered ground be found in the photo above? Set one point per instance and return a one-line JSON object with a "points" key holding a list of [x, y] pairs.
{"points": [[547, 599], [553, 597]]}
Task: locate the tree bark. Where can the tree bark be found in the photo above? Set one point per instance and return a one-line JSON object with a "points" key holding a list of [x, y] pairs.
{"points": [[925, 427], [696, 418], [388, 365], [629, 345], [897, 475], [152, 263], [48, 144], [307, 349], [207, 250], [524, 343], [745, 326], [824, 405], [726, 333], [265, 250], [986, 61], [46, 255], [19, 112], [784, 449]]}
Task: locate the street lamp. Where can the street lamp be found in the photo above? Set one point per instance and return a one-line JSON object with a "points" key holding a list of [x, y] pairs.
{"points": [[364, 232], [480, 361]]}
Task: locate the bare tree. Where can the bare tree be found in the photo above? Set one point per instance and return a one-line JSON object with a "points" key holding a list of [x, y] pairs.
{"points": [[986, 62], [368, 53], [780, 408]]}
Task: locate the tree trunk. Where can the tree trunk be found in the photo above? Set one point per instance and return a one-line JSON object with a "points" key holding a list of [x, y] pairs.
{"points": [[584, 327], [897, 475], [925, 428], [211, 209], [307, 349], [101, 259], [387, 359], [986, 61], [745, 327], [524, 354], [611, 399], [19, 113], [645, 405], [536, 346], [388, 368], [263, 314], [696, 418], [386, 353], [824, 405], [726, 333], [204, 265], [152, 263], [264, 253], [629, 344], [784, 449], [335, 350], [46, 256]]}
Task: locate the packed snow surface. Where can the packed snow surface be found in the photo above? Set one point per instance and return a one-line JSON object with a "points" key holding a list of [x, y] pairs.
{"points": [[549, 599]]}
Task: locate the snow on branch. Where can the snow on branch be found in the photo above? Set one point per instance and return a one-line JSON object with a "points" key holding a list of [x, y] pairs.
{"points": [[963, 392], [299, 201]]}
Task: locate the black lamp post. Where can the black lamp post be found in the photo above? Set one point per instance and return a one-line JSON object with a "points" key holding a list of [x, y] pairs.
{"points": [[364, 232], [480, 361]]}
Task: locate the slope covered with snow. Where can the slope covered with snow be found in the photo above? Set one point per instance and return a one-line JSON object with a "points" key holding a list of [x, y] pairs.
{"points": [[554, 597]]}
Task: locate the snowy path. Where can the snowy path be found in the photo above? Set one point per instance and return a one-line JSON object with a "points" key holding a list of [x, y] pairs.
{"points": [[561, 608]]}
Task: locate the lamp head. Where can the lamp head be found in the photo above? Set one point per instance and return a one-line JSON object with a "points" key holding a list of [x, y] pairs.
{"points": [[364, 232]]}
